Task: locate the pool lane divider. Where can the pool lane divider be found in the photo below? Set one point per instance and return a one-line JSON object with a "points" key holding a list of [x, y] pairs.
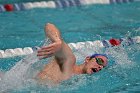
{"points": [[74, 46], [57, 4]]}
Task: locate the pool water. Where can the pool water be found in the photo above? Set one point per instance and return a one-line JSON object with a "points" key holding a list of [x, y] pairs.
{"points": [[84, 23]]}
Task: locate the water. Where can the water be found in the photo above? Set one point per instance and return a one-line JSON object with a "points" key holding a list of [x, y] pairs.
{"points": [[17, 74], [95, 22]]}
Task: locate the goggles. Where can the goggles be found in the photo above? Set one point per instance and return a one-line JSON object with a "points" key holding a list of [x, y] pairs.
{"points": [[99, 61]]}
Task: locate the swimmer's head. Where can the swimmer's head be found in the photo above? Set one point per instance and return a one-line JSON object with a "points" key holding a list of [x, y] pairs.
{"points": [[95, 63], [101, 59]]}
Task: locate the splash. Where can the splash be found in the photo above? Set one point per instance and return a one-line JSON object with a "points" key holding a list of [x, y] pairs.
{"points": [[17, 76], [120, 56]]}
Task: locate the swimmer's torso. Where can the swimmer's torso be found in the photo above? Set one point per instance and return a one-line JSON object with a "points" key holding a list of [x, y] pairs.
{"points": [[52, 72]]}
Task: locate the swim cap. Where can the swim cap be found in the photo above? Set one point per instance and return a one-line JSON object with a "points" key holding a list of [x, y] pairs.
{"points": [[94, 55]]}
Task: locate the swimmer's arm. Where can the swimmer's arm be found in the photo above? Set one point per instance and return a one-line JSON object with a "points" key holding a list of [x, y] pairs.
{"points": [[58, 48], [52, 33], [62, 52]]}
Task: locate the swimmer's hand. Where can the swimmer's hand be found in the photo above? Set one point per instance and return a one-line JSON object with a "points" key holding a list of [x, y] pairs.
{"points": [[50, 50]]}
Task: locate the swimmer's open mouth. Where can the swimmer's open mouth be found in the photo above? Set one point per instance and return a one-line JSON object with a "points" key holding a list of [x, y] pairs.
{"points": [[94, 70]]}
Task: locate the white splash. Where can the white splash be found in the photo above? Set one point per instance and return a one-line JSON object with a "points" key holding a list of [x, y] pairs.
{"points": [[16, 76]]}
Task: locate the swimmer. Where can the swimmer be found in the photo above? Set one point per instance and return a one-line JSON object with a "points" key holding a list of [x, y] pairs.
{"points": [[63, 65]]}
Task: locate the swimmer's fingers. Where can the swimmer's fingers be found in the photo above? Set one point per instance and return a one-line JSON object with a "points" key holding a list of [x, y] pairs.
{"points": [[45, 56], [44, 53], [52, 47], [45, 50], [49, 46]]}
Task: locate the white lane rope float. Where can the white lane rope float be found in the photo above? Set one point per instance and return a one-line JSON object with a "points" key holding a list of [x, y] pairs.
{"points": [[74, 46], [57, 4]]}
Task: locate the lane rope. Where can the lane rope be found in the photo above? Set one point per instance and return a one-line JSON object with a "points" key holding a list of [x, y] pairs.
{"points": [[57, 4], [74, 46]]}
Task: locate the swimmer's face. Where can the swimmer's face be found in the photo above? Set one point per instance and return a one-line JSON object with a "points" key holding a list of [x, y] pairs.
{"points": [[93, 65]]}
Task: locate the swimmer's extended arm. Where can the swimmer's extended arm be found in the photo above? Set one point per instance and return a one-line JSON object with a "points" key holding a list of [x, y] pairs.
{"points": [[54, 35], [58, 48]]}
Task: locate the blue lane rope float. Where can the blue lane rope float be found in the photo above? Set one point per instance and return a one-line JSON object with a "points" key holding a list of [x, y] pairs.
{"points": [[58, 4], [74, 46], [121, 1]]}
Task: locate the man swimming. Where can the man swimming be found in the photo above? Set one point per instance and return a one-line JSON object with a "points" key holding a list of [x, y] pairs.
{"points": [[63, 65]]}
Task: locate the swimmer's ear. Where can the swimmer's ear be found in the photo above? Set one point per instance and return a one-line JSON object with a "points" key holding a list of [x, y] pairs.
{"points": [[87, 59]]}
